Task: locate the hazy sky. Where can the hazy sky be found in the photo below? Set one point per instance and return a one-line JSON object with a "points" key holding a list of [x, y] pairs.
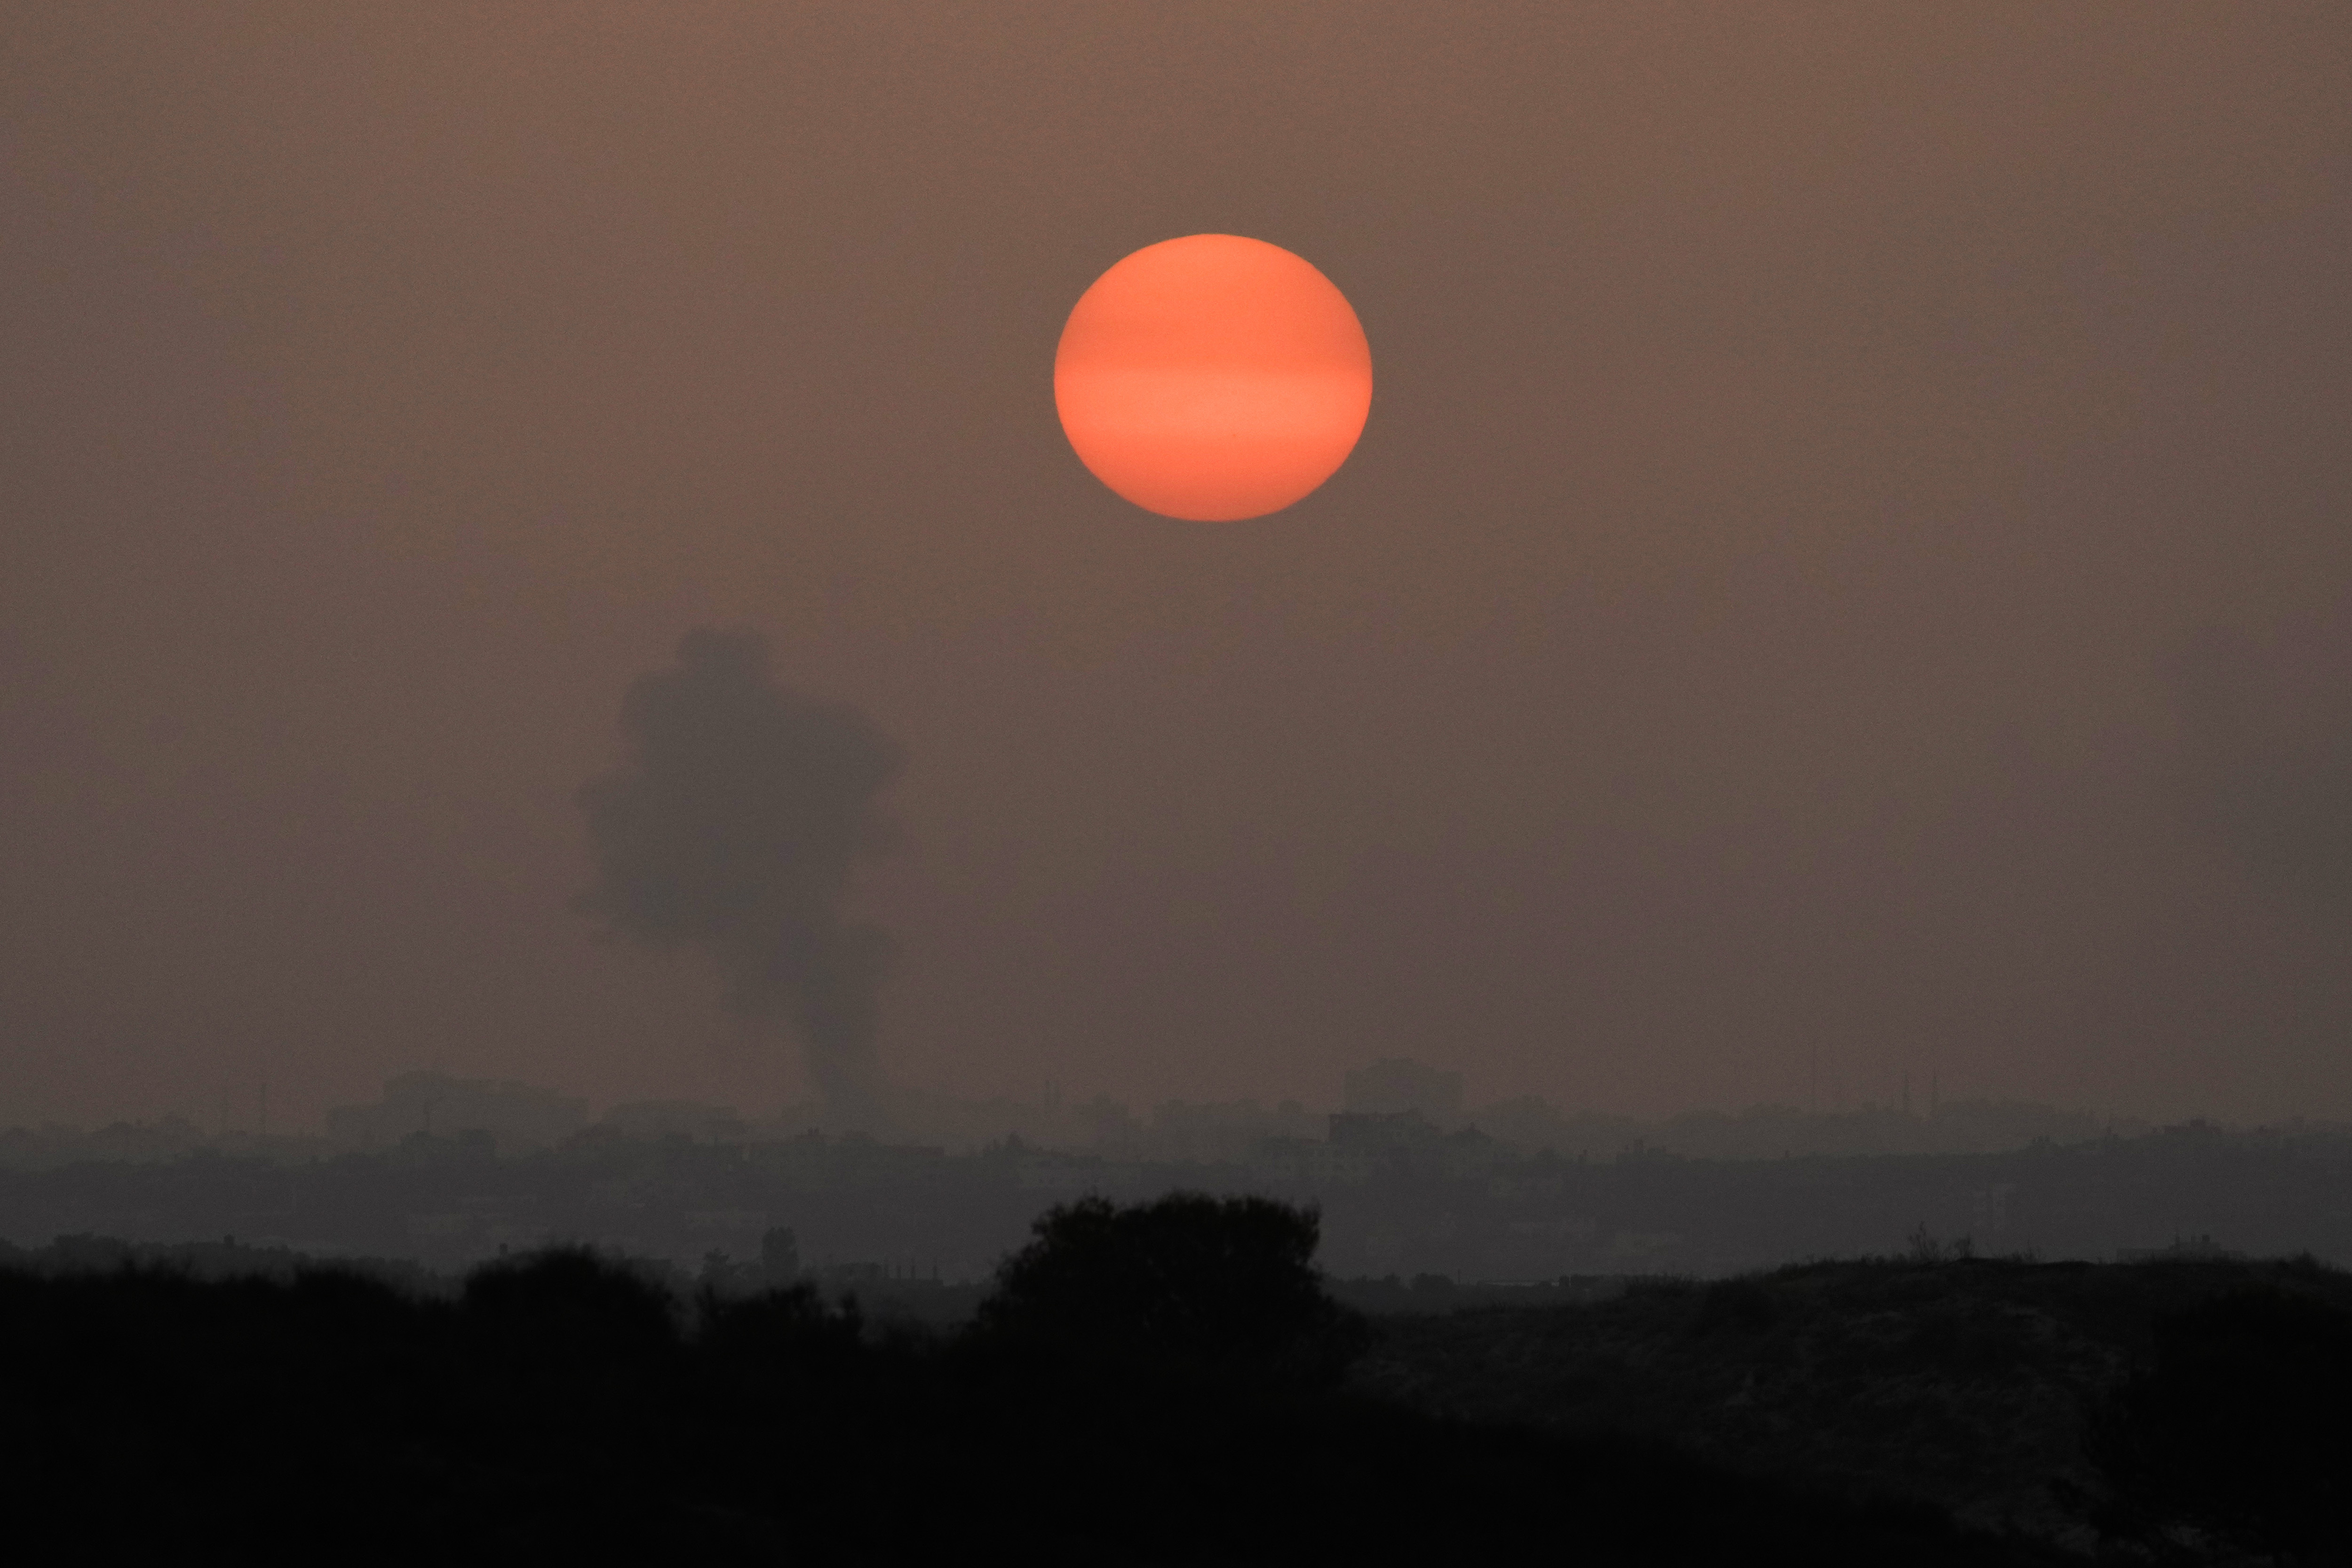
{"points": [[1850, 552]]}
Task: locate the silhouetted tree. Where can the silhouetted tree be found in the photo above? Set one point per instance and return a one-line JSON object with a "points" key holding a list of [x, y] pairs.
{"points": [[1190, 1285], [568, 1304], [787, 1337]]}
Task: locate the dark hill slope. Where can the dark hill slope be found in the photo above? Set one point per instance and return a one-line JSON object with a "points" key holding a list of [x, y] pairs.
{"points": [[1148, 1386], [1963, 1382]]}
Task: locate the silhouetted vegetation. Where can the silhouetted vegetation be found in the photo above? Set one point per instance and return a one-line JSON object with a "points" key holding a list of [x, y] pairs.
{"points": [[1148, 1385], [1193, 1287]]}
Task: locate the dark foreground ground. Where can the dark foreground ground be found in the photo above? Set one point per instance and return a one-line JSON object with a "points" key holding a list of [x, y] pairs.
{"points": [[1982, 1388], [1186, 1393]]}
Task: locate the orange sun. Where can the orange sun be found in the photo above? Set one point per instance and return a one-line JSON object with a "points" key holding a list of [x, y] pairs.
{"points": [[1213, 378]]}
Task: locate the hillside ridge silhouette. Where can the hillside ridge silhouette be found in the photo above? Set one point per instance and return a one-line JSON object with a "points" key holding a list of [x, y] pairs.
{"points": [[1158, 1382]]}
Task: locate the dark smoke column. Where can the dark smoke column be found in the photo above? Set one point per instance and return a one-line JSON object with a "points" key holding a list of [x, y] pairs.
{"points": [[733, 827]]}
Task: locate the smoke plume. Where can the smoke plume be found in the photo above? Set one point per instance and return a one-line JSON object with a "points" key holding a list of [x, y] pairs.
{"points": [[732, 826]]}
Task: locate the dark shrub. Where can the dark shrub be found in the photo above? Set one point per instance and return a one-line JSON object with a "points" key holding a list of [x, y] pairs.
{"points": [[1190, 1286], [781, 1343], [572, 1301], [561, 1336]]}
